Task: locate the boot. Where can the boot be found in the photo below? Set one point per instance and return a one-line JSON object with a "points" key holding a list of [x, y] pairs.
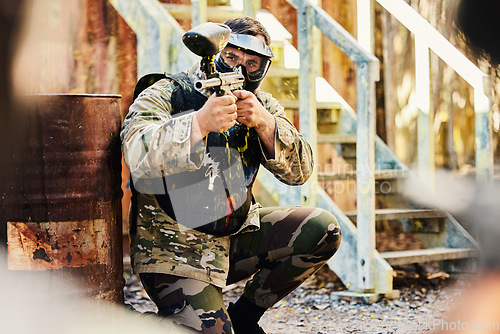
{"points": [[245, 316]]}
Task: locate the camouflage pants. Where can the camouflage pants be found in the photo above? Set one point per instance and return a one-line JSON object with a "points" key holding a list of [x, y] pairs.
{"points": [[291, 245]]}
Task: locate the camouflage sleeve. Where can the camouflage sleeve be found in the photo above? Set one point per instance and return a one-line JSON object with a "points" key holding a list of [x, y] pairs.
{"points": [[293, 158], [153, 142]]}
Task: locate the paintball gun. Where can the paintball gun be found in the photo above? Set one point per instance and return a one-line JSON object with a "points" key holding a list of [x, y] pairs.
{"points": [[206, 40]]}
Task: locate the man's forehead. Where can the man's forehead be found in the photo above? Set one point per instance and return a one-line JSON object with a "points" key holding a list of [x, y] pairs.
{"points": [[261, 37]]}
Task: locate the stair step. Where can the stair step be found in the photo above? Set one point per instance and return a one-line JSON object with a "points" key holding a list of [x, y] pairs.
{"points": [[379, 175], [396, 214], [282, 72], [427, 255], [294, 104], [337, 138]]}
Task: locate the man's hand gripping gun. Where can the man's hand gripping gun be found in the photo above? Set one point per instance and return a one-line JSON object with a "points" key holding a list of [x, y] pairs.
{"points": [[207, 40], [222, 83]]}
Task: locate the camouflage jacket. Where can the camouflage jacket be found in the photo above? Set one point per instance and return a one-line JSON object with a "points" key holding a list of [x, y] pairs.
{"points": [[155, 144]]}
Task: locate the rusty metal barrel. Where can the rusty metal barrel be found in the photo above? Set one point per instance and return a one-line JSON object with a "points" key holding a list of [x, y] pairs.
{"points": [[61, 195]]}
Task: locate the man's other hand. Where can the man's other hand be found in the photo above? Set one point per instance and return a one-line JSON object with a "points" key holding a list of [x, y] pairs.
{"points": [[251, 112], [217, 114]]}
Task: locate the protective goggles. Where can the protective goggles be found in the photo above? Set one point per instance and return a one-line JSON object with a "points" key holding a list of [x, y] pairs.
{"points": [[248, 52]]}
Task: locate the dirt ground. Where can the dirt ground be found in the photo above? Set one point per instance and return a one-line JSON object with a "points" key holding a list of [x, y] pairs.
{"points": [[315, 307]]}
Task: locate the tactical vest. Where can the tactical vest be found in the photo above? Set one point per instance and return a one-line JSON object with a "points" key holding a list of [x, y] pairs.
{"points": [[214, 199]]}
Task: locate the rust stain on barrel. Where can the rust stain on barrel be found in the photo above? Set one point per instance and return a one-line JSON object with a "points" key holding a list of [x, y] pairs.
{"points": [[38, 246]]}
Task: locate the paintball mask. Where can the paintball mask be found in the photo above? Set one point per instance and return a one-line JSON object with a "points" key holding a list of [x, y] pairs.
{"points": [[249, 53]]}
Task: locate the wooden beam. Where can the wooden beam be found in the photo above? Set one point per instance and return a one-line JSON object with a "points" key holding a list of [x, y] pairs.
{"points": [[337, 138], [379, 175], [398, 214], [428, 255]]}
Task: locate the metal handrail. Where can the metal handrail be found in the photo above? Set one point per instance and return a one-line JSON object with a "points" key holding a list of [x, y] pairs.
{"points": [[337, 34], [428, 38], [309, 15], [159, 43], [418, 25]]}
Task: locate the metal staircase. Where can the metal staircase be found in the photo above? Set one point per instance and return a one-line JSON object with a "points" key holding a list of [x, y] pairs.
{"points": [[332, 123]]}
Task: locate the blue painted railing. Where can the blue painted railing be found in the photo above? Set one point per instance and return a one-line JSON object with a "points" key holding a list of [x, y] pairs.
{"points": [[308, 16], [159, 37], [427, 38]]}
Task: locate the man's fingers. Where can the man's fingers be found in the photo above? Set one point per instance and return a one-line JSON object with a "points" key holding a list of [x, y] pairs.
{"points": [[232, 98], [224, 100], [230, 123], [230, 93], [229, 99], [241, 94]]}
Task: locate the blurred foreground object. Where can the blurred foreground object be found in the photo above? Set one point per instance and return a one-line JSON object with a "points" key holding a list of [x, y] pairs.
{"points": [[478, 21], [9, 18], [476, 310], [29, 307], [476, 205], [43, 301]]}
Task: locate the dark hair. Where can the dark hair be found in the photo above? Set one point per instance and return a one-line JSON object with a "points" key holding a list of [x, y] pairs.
{"points": [[479, 21], [248, 26]]}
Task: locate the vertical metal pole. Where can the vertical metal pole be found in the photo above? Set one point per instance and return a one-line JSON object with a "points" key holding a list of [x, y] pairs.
{"points": [[198, 12], [484, 147], [251, 7], [425, 134], [307, 93], [366, 24], [365, 171]]}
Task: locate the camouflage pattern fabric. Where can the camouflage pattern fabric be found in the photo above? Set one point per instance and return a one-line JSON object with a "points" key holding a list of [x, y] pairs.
{"points": [[157, 144], [291, 244]]}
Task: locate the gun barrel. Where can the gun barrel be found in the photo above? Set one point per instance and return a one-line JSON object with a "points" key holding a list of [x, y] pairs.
{"points": [[209, 83], [234, 80]]}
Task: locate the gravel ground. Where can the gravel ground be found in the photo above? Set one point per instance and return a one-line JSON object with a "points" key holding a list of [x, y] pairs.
{"points": [[316, 308]]}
